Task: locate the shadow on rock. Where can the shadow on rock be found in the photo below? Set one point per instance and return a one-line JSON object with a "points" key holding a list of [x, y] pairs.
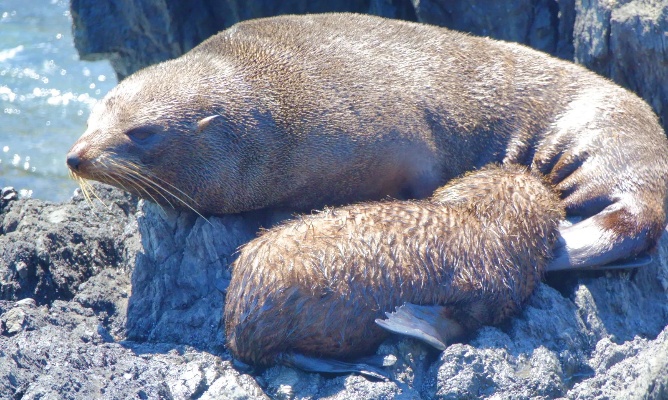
{"points": [[181, 273]]}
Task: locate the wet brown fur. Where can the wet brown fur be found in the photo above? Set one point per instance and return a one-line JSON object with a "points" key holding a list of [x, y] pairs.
{"points": [[315, 285], [337, 108]]}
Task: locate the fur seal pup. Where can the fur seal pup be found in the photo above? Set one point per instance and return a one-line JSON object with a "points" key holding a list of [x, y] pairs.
{"points": [[314, 286], [299, 112]]}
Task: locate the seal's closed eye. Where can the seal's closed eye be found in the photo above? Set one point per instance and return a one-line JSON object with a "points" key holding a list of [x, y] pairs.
{"points": [[140, 135]]}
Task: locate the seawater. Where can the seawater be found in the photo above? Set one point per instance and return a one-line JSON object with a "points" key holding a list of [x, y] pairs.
{"points": [[46, 94]]}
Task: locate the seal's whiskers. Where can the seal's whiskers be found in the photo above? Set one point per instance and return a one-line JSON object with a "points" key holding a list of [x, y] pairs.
{"points": [[133, 172]]}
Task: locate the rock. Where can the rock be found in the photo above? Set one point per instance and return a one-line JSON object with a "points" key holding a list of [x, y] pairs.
{"points": [[627, 370], [65, 357], [638, 49], [626, 41], [6, 195], [179, 277], [13, 321], [533, 22], [47, 250], [27, 302], [107, 293]]}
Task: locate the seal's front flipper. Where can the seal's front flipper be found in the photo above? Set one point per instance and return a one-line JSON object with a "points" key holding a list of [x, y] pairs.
{"points": [[331, 366], [426, 323]]}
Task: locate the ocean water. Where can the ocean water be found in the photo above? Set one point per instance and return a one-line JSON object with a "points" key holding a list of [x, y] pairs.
{"points": [[46, 94]]}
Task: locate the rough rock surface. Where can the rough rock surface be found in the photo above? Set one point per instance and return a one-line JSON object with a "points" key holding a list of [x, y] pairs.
{"points": [[628, 42], [65, 286], [543, 24]]}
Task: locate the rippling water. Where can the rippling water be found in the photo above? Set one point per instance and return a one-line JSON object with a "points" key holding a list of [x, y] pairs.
{"points": [[46, 94]]}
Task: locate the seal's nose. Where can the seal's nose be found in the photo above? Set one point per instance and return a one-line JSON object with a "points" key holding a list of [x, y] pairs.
{"points": [[73, 161]]}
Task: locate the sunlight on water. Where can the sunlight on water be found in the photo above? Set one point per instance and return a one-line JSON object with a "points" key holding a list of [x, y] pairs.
{"points": [[46, 94]]}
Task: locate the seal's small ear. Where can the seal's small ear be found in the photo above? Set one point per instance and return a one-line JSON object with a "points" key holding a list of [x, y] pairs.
{"points": [[203, 123]]}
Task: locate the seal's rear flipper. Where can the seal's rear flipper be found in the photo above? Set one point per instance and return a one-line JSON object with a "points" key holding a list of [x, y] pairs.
{"points": [[634, 262], [600, 242], [331, 366], [426, 323]]}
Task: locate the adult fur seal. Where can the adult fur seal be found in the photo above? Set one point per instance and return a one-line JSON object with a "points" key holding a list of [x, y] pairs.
{"points": [[314, 286], [303, 111]]}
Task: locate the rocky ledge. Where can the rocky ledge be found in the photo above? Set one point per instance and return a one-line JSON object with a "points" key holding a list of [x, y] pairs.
{"points": [[117, 301]]}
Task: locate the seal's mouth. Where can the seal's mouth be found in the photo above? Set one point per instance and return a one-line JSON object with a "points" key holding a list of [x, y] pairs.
{"points": [[124, 174]]}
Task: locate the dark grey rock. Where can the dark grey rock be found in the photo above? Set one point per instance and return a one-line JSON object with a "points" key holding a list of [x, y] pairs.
{"points": [[398, 9], [63, 355], [13, 321], [136, 33], [626, 41], [6, 195], [533, 22], [565, 24], [639, 52], [48, 250]]}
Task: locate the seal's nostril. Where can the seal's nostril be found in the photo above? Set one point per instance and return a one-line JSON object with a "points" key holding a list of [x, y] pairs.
{"points": [[73, 161]]}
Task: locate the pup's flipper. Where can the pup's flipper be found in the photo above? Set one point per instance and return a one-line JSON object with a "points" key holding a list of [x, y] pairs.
{"points": [[426, 323], [331, 366]]}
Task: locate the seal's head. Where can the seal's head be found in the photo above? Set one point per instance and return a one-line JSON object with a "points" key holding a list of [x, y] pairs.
{"points": [[165, 133]]}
